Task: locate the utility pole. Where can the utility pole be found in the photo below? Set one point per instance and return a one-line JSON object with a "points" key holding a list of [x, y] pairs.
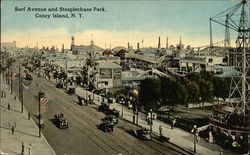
{"points": [[40, 95], [8, 66], [11, 87], [1, 69], [66, 73], [39, 115], [20, 89]]}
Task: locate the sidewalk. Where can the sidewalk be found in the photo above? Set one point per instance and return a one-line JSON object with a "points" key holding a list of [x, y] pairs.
{"points": [[25, 130], [177, 136]]}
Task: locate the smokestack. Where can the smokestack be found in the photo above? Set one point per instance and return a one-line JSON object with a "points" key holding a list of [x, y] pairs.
{"points": [[62, 48], [159, 43], [167, 43], [128, 45], [138, 46], [72, 42]]}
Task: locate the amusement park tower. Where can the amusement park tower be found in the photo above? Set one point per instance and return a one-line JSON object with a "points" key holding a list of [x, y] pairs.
{"points": [[231, 119]]}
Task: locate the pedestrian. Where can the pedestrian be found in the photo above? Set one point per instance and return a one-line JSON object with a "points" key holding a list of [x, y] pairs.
{"points": [[160, 130], [29, 116], [8, 106], [12, 129], [221, 152], [29, 149], [22, 151], [173, 122], [148, 121]]}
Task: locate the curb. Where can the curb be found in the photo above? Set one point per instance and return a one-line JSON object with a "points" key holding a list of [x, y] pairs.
{"points": [[155, 134], [41, 133], [26, 113]]}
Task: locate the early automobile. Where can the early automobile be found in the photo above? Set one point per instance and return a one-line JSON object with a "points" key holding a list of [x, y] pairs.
{"points": [[71, 91], [60, 121], [103, 107], [113, 112], [143, 134], [59, 85], [111, 119], [107, 126], [28, 77]]}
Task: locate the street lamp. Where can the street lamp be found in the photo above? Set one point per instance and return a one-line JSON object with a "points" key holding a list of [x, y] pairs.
{"points": [[137, 110], [122, 102], [11, 86], [66, 69], [195, 130], [151, 119]]}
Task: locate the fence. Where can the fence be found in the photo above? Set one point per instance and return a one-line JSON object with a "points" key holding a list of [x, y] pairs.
{"points": [[86, 94]]}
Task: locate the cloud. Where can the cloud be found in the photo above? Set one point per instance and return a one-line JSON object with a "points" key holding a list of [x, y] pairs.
{"points": [[59, 36]]}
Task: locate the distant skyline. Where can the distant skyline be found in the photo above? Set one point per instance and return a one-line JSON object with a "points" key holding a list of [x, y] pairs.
{"points": [[124, 21]]}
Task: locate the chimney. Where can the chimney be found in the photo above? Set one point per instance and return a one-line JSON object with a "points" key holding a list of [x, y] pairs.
{"points": [[138, 46], [128, 45], [62, 48], [159, 42], [167, 43]]}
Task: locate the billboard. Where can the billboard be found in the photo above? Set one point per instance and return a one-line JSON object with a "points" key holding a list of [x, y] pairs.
{"points": [[106, 73]]}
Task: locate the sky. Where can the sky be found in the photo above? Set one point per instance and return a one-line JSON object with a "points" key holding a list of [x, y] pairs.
{"points": [[120, 23]]}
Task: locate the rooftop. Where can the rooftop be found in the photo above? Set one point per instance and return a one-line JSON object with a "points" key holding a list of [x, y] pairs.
{"points": [[109, 65]]}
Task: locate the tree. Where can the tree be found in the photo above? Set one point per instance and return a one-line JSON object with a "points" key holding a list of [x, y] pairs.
{"points": [[179, 94], [206, 90], [173, 92], [165, 89], [221, 87], [149, 93], [89, 62], [193, 91]]}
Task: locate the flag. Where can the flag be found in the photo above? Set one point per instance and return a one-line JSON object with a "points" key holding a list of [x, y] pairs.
{"points": [[43, 103], [26, 84], [142, 41]]}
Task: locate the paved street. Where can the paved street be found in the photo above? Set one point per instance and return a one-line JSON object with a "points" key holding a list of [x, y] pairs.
{"points": [[177, 136], [25, 130], [83, 136]]}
